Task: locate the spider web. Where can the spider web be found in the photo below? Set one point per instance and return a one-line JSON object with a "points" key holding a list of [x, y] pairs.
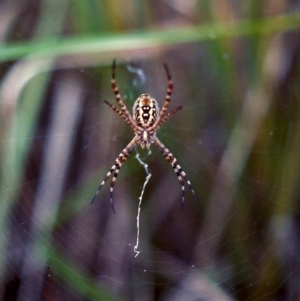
{"points": [[239, 242]]}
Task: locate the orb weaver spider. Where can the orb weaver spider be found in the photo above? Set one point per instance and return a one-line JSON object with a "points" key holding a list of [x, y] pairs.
{"points": [[145, 121]]}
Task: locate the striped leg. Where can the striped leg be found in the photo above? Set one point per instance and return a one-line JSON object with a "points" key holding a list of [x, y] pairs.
{"points": [[167, 116], [120, 113], [117, 93], [115, 170], [168, 98], [181, 175]]}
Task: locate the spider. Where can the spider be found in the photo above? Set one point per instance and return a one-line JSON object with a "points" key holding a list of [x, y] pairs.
{"points": [[145, 121]]}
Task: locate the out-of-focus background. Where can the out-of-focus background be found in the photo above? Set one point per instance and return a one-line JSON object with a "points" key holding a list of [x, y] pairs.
{"points": [[236, 71]]}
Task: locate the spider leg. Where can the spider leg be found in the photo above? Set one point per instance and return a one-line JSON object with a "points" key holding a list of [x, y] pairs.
{"points": [[120, 113], [168, 98], [167, 116], [115, 169], [181, 175], [118, 95]]}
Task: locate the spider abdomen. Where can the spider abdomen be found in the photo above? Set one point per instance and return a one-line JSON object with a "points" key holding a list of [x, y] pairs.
{"points": [[145, 111]]}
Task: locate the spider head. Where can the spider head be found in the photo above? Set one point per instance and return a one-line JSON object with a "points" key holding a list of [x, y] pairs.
{"points": [[145, 111]]}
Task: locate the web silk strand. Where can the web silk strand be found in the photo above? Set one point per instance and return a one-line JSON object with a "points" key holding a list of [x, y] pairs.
{"points": [[137, 252]]}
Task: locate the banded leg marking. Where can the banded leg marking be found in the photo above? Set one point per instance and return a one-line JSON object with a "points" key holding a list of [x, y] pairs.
{"points": [[166, 117], [120, 113], [168, 98], [115, 169], [176, 167], [117, 93]]}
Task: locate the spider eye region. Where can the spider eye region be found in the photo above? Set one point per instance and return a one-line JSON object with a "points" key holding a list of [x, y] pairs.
{"points": [[145, 111]]}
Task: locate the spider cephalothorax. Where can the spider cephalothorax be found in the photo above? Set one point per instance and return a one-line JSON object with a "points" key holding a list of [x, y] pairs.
{"points": [[145, 121]]}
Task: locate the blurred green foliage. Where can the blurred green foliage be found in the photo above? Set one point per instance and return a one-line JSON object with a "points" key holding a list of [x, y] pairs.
{"points": [[235, 66]]}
